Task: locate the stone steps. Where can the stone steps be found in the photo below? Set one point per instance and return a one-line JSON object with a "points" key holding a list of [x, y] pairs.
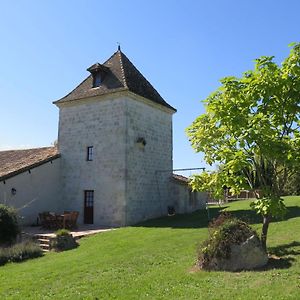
{"points": [[43, 241]]}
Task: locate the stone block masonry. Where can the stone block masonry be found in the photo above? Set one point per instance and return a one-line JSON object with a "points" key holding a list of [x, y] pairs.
{"points": [[101, 124], [147, 189], [122, 173]]}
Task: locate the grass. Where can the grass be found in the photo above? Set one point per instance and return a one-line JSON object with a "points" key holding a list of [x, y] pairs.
{"points": [[154, 260]]}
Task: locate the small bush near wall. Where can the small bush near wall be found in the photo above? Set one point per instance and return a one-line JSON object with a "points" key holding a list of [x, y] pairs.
{"points": [[62, 232], [9, 227], [20, 252], [63, 241]]}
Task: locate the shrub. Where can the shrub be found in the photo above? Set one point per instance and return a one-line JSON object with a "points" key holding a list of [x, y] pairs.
{"points": [[63, 241], [20, 252], [217, 222], [9, 227], [62, 232], [224, 232]]}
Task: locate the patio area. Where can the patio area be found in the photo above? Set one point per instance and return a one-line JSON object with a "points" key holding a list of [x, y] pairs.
{"points": [[81, 231]]}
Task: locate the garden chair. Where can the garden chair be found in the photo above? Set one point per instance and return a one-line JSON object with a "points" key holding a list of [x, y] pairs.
{"points": [[67, 219], [44, 219], [74, 217]]}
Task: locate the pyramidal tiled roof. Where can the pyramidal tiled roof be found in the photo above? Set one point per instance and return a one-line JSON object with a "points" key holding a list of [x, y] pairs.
{"points": [[13, 162], [121, 75]]}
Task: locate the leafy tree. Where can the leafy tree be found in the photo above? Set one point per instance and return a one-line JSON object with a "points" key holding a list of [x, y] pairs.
{"points": [[251, 128], [292, 186]]}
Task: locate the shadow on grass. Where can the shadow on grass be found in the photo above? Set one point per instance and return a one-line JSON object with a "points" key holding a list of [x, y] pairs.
{"points": [[251, 217], [281, 257], [285, 249], [277, 263], [201, 218], [247, 215], [197, 219]]}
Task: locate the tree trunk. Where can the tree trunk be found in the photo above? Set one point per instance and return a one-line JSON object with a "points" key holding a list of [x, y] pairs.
{"points": [[264, 232]]}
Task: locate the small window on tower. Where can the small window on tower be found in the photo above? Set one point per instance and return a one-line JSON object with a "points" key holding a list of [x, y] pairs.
{"points": [[96, 79], [89, 156]]}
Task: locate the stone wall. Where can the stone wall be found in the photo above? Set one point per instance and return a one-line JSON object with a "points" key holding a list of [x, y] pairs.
{"points": [[124, 172], [148, 166], [101, 123], [36, 191], [186, 201]]}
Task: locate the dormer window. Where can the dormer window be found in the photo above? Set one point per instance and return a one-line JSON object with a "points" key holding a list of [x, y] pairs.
{"points": [[98, 72], [96, 80]]}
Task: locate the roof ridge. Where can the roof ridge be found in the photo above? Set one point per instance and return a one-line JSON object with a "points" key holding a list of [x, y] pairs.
{"points": [[110, 57], [120, 53], [129, 86], [122, 68], [28, 149]]}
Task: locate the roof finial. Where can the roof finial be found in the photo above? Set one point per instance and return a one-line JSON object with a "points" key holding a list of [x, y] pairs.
{"points": [[119, 46]]}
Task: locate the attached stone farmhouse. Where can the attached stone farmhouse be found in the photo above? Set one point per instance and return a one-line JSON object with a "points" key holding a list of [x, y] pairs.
{"points": [[113, 159]]}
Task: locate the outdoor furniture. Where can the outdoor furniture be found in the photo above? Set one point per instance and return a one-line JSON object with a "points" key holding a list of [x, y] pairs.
{"points": [[42, 217], [47, 219], [59, 221], [67, 219], [75, 215], [51, 220], [71, 219]]}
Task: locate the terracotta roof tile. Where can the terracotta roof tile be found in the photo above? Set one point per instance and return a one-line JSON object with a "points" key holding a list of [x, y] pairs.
{"points": [[121, 75], [13, 162], [180, 178]]}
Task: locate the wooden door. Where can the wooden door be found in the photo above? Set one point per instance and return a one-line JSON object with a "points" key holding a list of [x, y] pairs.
{"points": [[89, 207]]}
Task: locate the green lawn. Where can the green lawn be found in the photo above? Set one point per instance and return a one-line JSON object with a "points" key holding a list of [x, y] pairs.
{"points": [[155, 260]]}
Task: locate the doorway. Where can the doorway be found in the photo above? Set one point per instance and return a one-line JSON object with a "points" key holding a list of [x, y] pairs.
{"points": [[89, 207]]}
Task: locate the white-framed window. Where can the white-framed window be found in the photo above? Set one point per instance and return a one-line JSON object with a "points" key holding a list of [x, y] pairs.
{"points": [[89, 153], [88, 198]]}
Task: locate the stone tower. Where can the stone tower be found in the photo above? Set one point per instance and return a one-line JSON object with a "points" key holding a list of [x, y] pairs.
{"points": [[115, 141]]}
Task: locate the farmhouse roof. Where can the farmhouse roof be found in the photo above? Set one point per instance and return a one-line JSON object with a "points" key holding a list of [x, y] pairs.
{"points": [[120, 75], [180, 178], [14, 162]]}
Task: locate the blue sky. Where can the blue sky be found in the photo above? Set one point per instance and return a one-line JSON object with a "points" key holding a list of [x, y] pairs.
{"points": [[182, 47]]}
